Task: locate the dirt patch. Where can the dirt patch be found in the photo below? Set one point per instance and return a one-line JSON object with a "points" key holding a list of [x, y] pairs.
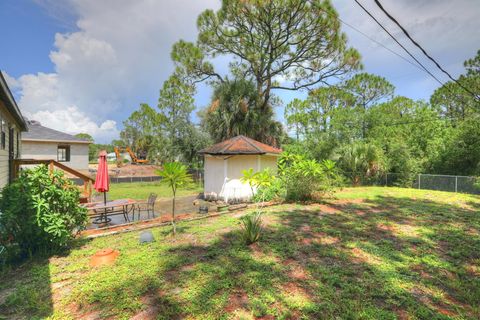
{"points": [[348, 201], [306, 241], [238, 300], [323, 238], [294, 290], [402, 314], [187, 267], [473, 269], [150, 310], [130, 170], [87, 314], [425, 298], [361, 256], [306, 228], [385, 227], [256, 250], [327, 209], [298, 273], [420, 269], [318, 238]]}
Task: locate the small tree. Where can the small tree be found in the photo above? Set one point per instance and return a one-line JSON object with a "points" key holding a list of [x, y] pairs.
{"points": [[257, 180], [250, 177], [175, 175]]}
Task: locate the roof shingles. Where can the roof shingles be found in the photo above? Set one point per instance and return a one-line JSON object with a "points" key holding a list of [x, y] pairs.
{"points": [[240, 145], [37, 132]]}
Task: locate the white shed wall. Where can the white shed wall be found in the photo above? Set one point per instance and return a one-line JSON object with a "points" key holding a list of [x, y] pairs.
{"points": [[223, 174]]}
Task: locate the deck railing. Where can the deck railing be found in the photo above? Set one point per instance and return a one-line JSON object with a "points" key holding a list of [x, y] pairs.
{"points": [[87, 181]]}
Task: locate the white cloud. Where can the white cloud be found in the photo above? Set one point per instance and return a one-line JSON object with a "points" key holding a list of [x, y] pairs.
{"points": [[119, 55], [73, 121], [11, 81], [117, 59], [446, 29]]}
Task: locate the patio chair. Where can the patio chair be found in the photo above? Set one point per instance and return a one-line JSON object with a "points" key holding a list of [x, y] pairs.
{"points": [[146, 206]]}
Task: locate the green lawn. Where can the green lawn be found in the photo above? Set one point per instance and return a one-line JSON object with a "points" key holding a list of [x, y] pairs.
{"points": [[141, 190], [372, 253]]}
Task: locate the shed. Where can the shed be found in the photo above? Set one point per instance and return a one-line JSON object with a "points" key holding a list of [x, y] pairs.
{"points": [[225, 161]]}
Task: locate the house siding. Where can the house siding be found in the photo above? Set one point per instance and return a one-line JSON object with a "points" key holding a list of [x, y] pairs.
{"points": [[40, 150], [4, 161]]}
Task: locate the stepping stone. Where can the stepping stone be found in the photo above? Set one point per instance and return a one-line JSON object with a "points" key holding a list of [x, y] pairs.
{"points": [[146, 237]]}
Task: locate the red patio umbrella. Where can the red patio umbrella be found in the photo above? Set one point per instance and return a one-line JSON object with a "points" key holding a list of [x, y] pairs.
{"points": [[101, 181]]}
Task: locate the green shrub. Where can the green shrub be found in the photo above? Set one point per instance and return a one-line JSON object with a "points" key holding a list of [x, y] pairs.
{"points": [[40, 213], [476, 183], [271, 192], [304, 178], [251, 226]]}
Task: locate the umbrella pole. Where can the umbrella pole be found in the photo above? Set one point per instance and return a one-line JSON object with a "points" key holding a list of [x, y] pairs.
{"points": [[105, 203]]}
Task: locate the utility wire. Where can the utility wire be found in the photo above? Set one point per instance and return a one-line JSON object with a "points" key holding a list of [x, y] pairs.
{"points": [[408, 52], [422, 49], [373, 40], [399, 123], [381, 44]]}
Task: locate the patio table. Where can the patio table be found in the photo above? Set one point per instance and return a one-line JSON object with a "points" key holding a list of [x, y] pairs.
{"points": [[110, 208]]}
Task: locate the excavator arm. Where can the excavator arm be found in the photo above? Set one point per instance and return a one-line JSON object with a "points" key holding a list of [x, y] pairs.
{"points": [[134, 157]]}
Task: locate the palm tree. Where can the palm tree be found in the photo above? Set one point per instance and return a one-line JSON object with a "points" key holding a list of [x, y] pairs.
{"points": [[361, 161], [175, 175], [234, 110]]}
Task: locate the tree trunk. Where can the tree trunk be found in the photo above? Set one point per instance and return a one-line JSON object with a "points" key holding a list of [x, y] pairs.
{"points": [[173, 214]]}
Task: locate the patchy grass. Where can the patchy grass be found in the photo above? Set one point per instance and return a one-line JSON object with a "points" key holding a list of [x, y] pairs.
{"points": [[373, 253], [141, 190]]}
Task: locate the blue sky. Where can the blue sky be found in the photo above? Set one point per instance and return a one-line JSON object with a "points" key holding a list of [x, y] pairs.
{"points": [[85, 65]]}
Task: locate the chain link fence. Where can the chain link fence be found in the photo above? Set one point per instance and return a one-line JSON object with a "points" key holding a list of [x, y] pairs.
{"points": [[463, 184], [440, 182]]}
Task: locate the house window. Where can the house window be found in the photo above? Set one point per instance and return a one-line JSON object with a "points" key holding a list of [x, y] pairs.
{"points": [[18, 144], [3, 134], [63, 153]]}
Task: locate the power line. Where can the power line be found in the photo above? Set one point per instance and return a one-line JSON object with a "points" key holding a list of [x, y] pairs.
{"points": [[418, 121], [373, 40], [381, 44], [422, 49], [405, 49]]}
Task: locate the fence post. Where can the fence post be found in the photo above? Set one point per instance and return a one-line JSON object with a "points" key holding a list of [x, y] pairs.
{"points": [[456, 183], [419, 177]]}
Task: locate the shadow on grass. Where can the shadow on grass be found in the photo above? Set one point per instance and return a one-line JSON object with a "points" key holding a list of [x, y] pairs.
{"points": [[383, 258], [415, 255], [26, 287]]}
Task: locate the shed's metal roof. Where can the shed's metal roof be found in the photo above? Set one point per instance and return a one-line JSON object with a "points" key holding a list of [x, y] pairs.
{"points": [[240, 145], [37, 132]]}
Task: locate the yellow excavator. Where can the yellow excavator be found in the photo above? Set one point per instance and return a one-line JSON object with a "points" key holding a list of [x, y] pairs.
{"points": [[133, 156]]}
